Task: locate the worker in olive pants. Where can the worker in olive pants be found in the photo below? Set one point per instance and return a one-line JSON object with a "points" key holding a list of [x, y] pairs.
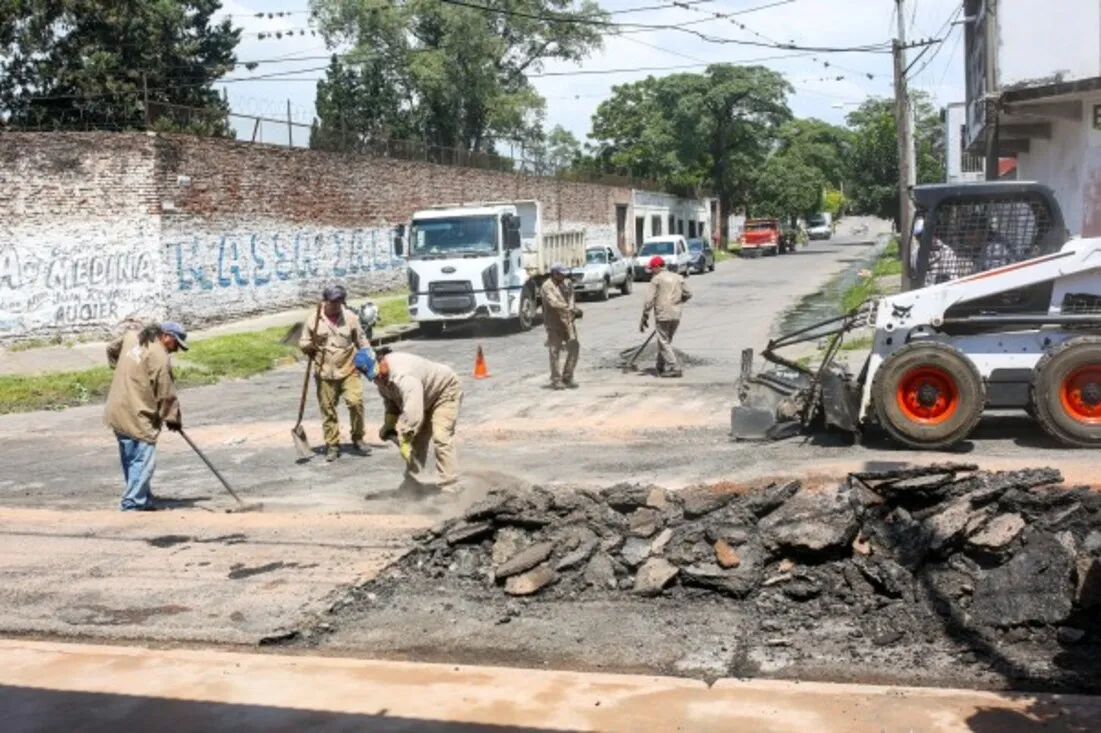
{"points": [[668, 294]]}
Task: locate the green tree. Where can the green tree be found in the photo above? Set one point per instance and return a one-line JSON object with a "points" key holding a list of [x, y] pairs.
{"points": [[818, 144], [692, 131], [88, 64], [460, 72], [788, 188], [873, 159], [556, 152], [359, 105]]}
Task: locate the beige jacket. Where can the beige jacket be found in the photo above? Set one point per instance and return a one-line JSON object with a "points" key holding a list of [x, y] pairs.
{"points": [[143, 396], [558, 310], [414, 388], [338, 344], [668, 293]]}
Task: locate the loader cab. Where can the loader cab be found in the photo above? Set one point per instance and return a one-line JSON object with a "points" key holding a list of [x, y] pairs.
{"points": [[967, 229]]}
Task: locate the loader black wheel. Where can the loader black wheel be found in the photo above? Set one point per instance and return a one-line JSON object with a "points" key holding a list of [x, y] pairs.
{"points": [[1066, 392], [928, 395]]}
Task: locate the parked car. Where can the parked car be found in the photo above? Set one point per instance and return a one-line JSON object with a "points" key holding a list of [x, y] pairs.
{"points": [[702, 256], [673, 249], [819, 227], [761, 236], [604, 269]]}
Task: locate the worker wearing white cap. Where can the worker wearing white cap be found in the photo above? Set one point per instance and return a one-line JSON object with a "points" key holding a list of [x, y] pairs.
{"points": [[559, 313]]}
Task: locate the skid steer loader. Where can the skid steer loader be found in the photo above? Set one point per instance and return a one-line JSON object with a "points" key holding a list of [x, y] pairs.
{"points": [[1005, 313]]}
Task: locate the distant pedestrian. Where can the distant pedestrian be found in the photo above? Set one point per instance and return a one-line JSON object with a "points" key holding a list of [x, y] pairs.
{"points": [[560, 312], [333, 348], [422, 400], [142, 400], [668, 293]]}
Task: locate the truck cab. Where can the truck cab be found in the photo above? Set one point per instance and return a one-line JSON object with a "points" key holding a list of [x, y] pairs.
{"points": [[480, 261]]}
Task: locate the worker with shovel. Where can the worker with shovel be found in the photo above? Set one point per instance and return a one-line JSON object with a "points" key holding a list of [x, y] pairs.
{"points": [[422, 400], [668, 294], [559, 313], [331, 341], [141, 401]]}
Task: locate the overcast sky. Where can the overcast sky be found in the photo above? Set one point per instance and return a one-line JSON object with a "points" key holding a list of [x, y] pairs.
{"points": [[572, 98]]}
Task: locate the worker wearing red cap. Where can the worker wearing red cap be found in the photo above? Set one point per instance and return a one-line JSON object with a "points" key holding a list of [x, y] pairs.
{"points": [[667, 294]]}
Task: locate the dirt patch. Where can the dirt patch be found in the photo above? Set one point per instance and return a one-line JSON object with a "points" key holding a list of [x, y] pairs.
{"points": [[169, 540], [941, 575]]}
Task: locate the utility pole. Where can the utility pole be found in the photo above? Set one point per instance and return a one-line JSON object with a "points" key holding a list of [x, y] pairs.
{"points": [[907, 173]]}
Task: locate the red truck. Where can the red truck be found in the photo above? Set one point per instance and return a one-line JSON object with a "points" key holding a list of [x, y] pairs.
{"points": [[761, 236]]}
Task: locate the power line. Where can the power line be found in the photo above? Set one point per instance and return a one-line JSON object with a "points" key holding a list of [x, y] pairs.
{"points": [[940, 45], [873, 48]]}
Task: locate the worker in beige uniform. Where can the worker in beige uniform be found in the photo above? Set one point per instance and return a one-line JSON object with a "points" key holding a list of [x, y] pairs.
{"points": [[333, 348], [559, 314], [422, 400], [667, 294], [141, 401]]}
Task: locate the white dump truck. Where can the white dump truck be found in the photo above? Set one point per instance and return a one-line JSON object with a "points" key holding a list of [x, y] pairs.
{"points": [[481, 261]]}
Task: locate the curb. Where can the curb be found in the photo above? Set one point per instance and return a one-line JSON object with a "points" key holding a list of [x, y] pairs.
{"points": [[395, 334]]}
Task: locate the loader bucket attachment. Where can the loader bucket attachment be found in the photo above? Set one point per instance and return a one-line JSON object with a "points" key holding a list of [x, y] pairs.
{"points": [[770, 403]]}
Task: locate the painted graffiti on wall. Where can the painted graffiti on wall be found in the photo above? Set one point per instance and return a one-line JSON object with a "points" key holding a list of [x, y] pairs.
{"points": [[257, 259], [82, 281]]}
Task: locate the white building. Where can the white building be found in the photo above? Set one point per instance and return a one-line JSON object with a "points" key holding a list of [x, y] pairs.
{"points": [[960, 166], [1034, 92], [656, 214]]}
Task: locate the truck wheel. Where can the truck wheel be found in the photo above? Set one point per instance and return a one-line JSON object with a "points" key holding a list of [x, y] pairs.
{"points": [[628, 284], [1066, 392], [604, 291], [527, 309], [928, 395], [431, 329]]}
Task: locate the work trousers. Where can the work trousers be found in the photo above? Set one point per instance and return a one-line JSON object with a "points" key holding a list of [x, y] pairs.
{"points": [[438, 430], [667, 357], [139, 460], [329, 392], [555, 347]]}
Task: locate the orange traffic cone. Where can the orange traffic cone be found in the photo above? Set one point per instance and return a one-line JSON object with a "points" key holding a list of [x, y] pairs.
{"points": [[480, 370]]}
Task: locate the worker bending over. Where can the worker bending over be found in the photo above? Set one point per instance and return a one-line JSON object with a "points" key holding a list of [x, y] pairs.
{"points": [[333, 347], [560, 311], [142, 400], [667, 294], [422, 400]]}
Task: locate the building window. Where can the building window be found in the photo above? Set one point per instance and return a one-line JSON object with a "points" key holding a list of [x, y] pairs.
{"points": [[691, 230], [672, 224], [969, 163], [640, 231], [655, 225], [680, 227]]}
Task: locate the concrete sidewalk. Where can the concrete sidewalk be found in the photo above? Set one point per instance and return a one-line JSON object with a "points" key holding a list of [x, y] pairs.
{"points": [[47, 687]]}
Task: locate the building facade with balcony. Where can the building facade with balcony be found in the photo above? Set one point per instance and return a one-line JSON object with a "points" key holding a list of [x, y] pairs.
{"points": [[1033, 79]]}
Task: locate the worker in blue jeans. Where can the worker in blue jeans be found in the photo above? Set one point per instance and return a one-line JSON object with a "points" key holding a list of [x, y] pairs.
{"points": [[142, 400]]}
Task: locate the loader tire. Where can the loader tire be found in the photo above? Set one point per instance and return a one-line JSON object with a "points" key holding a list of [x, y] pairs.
{"points": [[1066, 392], [928, 395]]}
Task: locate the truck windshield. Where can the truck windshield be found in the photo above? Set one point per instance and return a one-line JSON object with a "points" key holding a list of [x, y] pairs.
{"points": [[596, 257], [450, 236], [656, 248]]}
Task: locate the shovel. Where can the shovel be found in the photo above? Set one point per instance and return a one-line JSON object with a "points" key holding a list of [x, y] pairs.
{"points": [[298, 433], [241, 506]]}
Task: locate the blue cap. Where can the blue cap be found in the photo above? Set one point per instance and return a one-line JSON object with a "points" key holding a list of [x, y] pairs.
{"points": [[366, 363], [176, 330], [559, 267]]}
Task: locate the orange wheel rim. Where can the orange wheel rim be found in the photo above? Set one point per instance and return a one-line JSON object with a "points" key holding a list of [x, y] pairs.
{"points": [[1080, 394], [928, 395]]}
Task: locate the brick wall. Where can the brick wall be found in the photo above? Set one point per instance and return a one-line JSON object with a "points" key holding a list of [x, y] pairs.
{"points": [[78, 233], [100, 226]]}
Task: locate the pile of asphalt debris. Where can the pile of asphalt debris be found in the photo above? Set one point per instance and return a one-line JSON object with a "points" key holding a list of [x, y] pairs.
{"points": [[1011, 554], [648, 357]]}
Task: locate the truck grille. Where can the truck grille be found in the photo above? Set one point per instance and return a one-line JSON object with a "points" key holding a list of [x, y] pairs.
{"points": [[452, 297]]}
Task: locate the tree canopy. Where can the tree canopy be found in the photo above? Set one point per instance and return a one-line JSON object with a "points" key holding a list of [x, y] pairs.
{"points": [[713, 130], [873, 159], [88, 64], [456, 75]]}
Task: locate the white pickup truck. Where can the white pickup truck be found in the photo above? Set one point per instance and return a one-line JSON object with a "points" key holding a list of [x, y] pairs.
{"points": [[604, 269]]}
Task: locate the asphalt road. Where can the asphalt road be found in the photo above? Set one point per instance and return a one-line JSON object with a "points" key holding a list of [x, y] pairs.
{"points": [[74, 565]]}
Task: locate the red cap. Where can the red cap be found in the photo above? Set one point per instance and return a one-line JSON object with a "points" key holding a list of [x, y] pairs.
{"points": [[656, 263]]}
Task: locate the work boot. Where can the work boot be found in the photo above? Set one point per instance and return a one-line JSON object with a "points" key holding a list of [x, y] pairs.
{"points": [[570, 384], [450, 487], [332, 453], [557, 386], [361, 448], [672, 374]]}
